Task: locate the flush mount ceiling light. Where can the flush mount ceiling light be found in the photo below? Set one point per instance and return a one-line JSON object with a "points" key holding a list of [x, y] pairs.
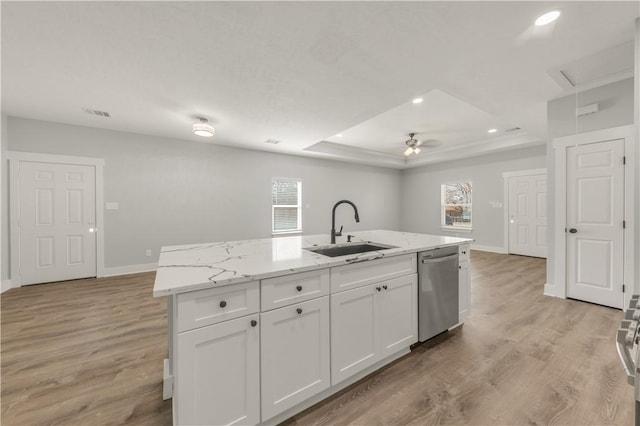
{"points": [[417, 100], [203, 128], [412, 145], [547, 18], [339, 135], [492, 130]]}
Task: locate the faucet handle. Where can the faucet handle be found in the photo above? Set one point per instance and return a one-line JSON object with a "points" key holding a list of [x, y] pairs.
{"points": [[349, 237]]}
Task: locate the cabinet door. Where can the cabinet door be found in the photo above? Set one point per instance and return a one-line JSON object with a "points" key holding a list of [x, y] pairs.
{"points": [[398, 313], [218, 374], [295, 354], [354, 332], [464, 283]]}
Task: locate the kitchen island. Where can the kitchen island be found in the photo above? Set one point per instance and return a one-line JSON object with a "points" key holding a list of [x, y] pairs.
{"points": [[259, 330]]}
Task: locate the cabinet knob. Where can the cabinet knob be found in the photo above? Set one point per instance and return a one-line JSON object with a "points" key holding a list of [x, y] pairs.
{"points": [[459, 267], [223, 304], [299, 311], [464, 252], [378, 288], [299, 288], [384, 286], [254, 323]]}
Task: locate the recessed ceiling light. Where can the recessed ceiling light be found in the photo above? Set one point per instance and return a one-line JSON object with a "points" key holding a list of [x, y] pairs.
{"points": [[203, 128], [492, 130], [547, 18], [339, 135], [417, 100]]}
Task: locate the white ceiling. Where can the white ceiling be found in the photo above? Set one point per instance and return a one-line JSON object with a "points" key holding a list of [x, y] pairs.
{"points": [[301, 72]]}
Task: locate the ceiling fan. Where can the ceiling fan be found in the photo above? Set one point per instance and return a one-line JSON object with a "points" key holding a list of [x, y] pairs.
{"points": [[412, 145]]}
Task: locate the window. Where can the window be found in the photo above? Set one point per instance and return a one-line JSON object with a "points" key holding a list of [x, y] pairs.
{"points": [[456, 205], [286, 200]]}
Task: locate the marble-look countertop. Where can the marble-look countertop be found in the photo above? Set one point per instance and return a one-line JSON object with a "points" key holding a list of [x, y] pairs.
{"points": [[198, 266]]}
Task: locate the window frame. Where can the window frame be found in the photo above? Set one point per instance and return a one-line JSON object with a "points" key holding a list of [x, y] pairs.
{"points": [[298, 230], [443, 220]]}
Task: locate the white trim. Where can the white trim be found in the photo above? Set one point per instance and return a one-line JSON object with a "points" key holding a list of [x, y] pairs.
{"points": [[15, 157], [550, 289], [130, 269], [5, 285], [505, 199], [560, 146], [456, 229], [491, 249], [531, 172]]}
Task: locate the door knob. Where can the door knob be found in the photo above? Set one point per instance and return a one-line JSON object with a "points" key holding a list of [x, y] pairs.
{"points": [[573, 230]]}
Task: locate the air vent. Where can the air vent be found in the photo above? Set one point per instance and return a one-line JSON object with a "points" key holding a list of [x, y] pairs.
{"points": [[511, 130], [96, 112], [272, 141]]}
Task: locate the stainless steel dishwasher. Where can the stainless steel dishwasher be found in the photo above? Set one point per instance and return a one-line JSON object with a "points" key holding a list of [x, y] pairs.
{"points": [[437, 291]]}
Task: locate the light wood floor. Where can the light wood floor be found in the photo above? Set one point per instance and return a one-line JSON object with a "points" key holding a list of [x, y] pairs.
{"points": [[90, 352]]}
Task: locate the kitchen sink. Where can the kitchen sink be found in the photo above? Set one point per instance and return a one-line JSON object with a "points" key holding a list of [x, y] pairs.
{"points": [[348, 248]]}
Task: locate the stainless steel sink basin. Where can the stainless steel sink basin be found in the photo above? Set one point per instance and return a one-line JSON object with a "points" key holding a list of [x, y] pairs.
{"points": [[336, 250]]}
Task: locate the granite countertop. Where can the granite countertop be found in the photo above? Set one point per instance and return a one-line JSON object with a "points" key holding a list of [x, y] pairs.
{"points": [[198, 266]]}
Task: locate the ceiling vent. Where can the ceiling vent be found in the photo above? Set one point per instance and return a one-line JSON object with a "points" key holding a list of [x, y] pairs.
{"points": [[511, 130], [595, 70], [96, 112], [272, 141]]}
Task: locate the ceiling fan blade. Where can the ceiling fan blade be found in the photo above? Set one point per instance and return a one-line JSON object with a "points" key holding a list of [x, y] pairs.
{"points": [[408, 151]]}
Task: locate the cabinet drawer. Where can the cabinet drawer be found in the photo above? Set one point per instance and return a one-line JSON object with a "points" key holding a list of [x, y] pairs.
{"points": [[205, 307], [289, 289], [363, 273], [463, 252]]}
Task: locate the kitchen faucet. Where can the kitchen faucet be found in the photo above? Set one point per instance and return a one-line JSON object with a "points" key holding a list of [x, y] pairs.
{"points": [[335, 234]]}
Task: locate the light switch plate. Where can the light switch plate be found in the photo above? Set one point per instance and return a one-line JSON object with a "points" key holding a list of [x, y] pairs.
{"points": [[112, 206]]}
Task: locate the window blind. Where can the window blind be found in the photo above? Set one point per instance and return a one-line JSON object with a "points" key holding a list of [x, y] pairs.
{"points": [[285, 198]]}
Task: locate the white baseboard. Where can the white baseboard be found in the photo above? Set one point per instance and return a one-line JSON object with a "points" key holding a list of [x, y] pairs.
{"points": [[5, 285], [129, 269], [492, 249], [551, 290]]}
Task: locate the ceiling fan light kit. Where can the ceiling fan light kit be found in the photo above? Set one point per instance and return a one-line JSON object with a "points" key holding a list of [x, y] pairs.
{"points": [[412, 145]]}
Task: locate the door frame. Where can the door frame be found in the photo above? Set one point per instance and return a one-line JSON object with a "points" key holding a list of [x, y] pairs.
{"points": [[505, 199], [560, 146], [15, 158]]}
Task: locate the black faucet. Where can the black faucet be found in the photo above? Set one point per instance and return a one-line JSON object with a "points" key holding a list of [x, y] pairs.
{"points": [[335, 234]]}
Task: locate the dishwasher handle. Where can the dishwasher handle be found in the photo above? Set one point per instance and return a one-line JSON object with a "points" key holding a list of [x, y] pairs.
{"points": [[438, 259]]}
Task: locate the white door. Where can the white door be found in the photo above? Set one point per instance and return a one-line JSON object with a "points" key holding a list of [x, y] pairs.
{"points": [[218, 374], [398, 312], [354, 332], [528, 215], [57, 222], [595, 214], [294, 354]]}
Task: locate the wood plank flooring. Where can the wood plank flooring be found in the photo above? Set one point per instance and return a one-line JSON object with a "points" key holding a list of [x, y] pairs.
{"points": [[89, 352]]}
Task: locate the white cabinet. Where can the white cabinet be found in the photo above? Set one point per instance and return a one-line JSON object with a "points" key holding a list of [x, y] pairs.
{"points": [[354, 332], [398, 315], [295, 354], [218, 374], [464, 283], [371, 323]]}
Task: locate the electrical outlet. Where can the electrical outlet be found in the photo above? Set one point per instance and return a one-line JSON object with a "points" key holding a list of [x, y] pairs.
{"points": [[148, 252], [112, 206]]}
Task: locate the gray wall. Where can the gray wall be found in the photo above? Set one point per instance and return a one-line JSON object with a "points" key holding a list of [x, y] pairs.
{"points": [[615, 102], [421, 192], [616, 109], [178, 192]]}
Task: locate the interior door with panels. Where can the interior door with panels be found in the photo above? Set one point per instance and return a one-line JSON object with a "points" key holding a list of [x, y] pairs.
{"points": [[528, 215], [595, 215], [57, 204]]}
